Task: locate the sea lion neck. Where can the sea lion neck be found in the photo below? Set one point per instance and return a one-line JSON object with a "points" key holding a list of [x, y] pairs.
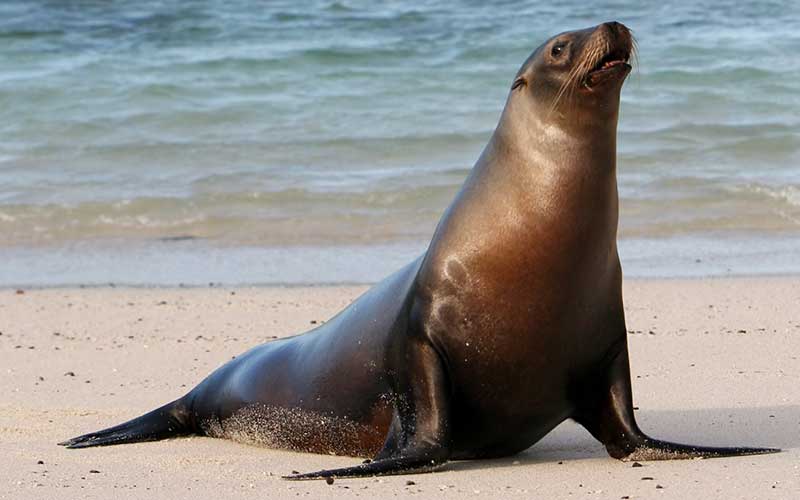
{"points": [[542, 174], [531, 138]]}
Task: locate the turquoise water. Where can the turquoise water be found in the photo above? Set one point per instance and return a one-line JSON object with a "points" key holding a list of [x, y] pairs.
{"points": [[132, 133]]}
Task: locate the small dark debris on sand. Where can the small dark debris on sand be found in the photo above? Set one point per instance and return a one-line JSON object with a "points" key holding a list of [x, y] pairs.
{"points": [[329, 480]]}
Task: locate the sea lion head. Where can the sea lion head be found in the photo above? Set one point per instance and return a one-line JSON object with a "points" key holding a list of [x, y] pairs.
{"points": [[578, 70]]}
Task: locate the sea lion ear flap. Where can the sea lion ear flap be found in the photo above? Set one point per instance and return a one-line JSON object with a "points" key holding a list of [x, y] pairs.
{"points": [[519, 82]]}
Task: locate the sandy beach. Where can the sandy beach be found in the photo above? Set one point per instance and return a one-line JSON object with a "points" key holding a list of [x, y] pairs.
{"points": [[715, 361]]}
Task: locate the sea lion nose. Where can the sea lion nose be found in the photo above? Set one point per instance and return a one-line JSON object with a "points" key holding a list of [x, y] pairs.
{"points": [[615, 28]]}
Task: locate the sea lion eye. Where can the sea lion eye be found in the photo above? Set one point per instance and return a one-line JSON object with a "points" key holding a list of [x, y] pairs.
{"points": [[558, 49]]}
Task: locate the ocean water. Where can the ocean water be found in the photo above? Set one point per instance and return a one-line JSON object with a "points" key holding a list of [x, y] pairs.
{"points": [[165, 142]]}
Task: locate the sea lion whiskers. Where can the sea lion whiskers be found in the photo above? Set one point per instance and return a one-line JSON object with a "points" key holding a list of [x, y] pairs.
{"points": [[590, 57], [596, 53], [568, 84], [634, 55]]}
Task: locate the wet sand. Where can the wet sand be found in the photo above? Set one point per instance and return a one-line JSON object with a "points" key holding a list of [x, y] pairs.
{"points": [[715, 361]]}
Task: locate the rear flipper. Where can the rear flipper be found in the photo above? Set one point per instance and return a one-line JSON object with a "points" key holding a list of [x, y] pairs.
{"points": [[607, 413], [653, 449], [168, 421]]}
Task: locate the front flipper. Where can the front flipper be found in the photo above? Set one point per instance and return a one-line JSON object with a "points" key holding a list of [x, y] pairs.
{"points": [[422, 441], [420, 461], [607, 413]]}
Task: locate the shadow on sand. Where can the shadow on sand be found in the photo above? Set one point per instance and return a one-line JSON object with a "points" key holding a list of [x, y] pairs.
{"points": [[771, 426]]}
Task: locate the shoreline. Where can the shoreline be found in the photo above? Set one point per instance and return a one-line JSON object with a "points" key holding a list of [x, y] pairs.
{"points": [[193, 263], [353, 285], [714, 361]]}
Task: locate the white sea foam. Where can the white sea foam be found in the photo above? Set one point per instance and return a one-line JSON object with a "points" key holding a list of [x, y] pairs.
{"points": [[789, 194]]}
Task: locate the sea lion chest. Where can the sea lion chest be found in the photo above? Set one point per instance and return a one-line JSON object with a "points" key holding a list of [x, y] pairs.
{"points": [[515, 303]]}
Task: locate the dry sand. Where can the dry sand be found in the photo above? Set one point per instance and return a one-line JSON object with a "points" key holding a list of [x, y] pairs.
{"points": [[715, 361]]}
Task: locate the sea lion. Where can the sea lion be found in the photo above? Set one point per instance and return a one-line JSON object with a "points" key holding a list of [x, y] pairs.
{"points": [[511, 322]]}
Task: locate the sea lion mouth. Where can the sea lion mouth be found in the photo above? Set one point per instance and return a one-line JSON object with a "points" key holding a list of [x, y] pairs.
{"points": [[607, 55], [614, 63]]}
